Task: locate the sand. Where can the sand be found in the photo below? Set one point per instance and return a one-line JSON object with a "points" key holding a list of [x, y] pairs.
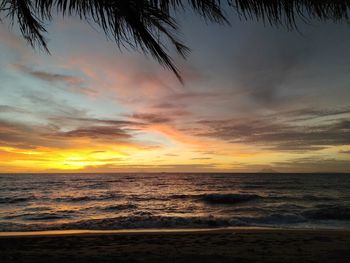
{"points": [[222, 245]]}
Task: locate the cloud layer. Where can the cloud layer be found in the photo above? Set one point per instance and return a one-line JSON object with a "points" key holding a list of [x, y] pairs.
{"points": [[261, 98]]}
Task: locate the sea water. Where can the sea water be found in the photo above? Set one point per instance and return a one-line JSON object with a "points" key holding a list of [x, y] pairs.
{"points": [[30, 202]]}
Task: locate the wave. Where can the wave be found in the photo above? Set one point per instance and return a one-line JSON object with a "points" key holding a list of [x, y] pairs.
{"points": [[87, 198], [134, 222], [37, 209], [316, 198], [228, 198], [328, 213], [277, 219], [47, 217], [147, 220], [40, 216], [118, 207], [13, 200], [75, 199], [308, 197], [180, 196]]}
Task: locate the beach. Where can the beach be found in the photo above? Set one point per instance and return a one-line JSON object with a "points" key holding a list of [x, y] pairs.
{"points": [[178, 245]]}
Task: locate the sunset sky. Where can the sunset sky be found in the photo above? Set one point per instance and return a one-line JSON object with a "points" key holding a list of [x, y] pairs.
{"points": [[255, 98]]}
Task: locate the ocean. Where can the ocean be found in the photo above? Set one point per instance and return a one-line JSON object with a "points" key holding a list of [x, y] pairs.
{"points": [[31, 202]]}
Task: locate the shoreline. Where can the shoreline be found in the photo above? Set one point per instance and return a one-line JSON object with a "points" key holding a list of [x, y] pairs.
{"points": [[167, 231]]}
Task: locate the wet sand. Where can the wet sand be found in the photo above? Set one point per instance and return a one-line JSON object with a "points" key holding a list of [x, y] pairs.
{"points": [[222, 245]]}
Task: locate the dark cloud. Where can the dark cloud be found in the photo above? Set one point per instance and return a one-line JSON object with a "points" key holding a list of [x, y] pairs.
{"points": [[314, 165], [284, 136], [307, 114], [96, 128], [151, 118], [97, 132], [51, 77], [75, 83], [30, 136], [24, 136], [15, 135], [107, 121], [46, 105]]}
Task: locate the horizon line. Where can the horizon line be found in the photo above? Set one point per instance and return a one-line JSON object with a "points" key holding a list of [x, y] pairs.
{"points": [[328, 172]]}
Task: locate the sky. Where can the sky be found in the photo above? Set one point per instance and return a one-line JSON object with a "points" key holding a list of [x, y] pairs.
{"points": [[255, 98]]}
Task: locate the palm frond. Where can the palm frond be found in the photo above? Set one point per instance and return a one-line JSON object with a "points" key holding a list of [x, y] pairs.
{"points": [[147, 25], [287, 12]]}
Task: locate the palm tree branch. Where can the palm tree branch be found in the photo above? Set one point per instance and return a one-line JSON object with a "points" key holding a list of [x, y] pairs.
{"points": [[150, 25]]}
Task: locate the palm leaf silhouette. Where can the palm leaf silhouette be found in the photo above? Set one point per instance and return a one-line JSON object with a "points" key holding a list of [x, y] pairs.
{"points": [[149, 25]]}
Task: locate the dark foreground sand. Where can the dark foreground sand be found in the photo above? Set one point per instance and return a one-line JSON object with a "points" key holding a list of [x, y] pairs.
{"points": [[239, 245]]}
